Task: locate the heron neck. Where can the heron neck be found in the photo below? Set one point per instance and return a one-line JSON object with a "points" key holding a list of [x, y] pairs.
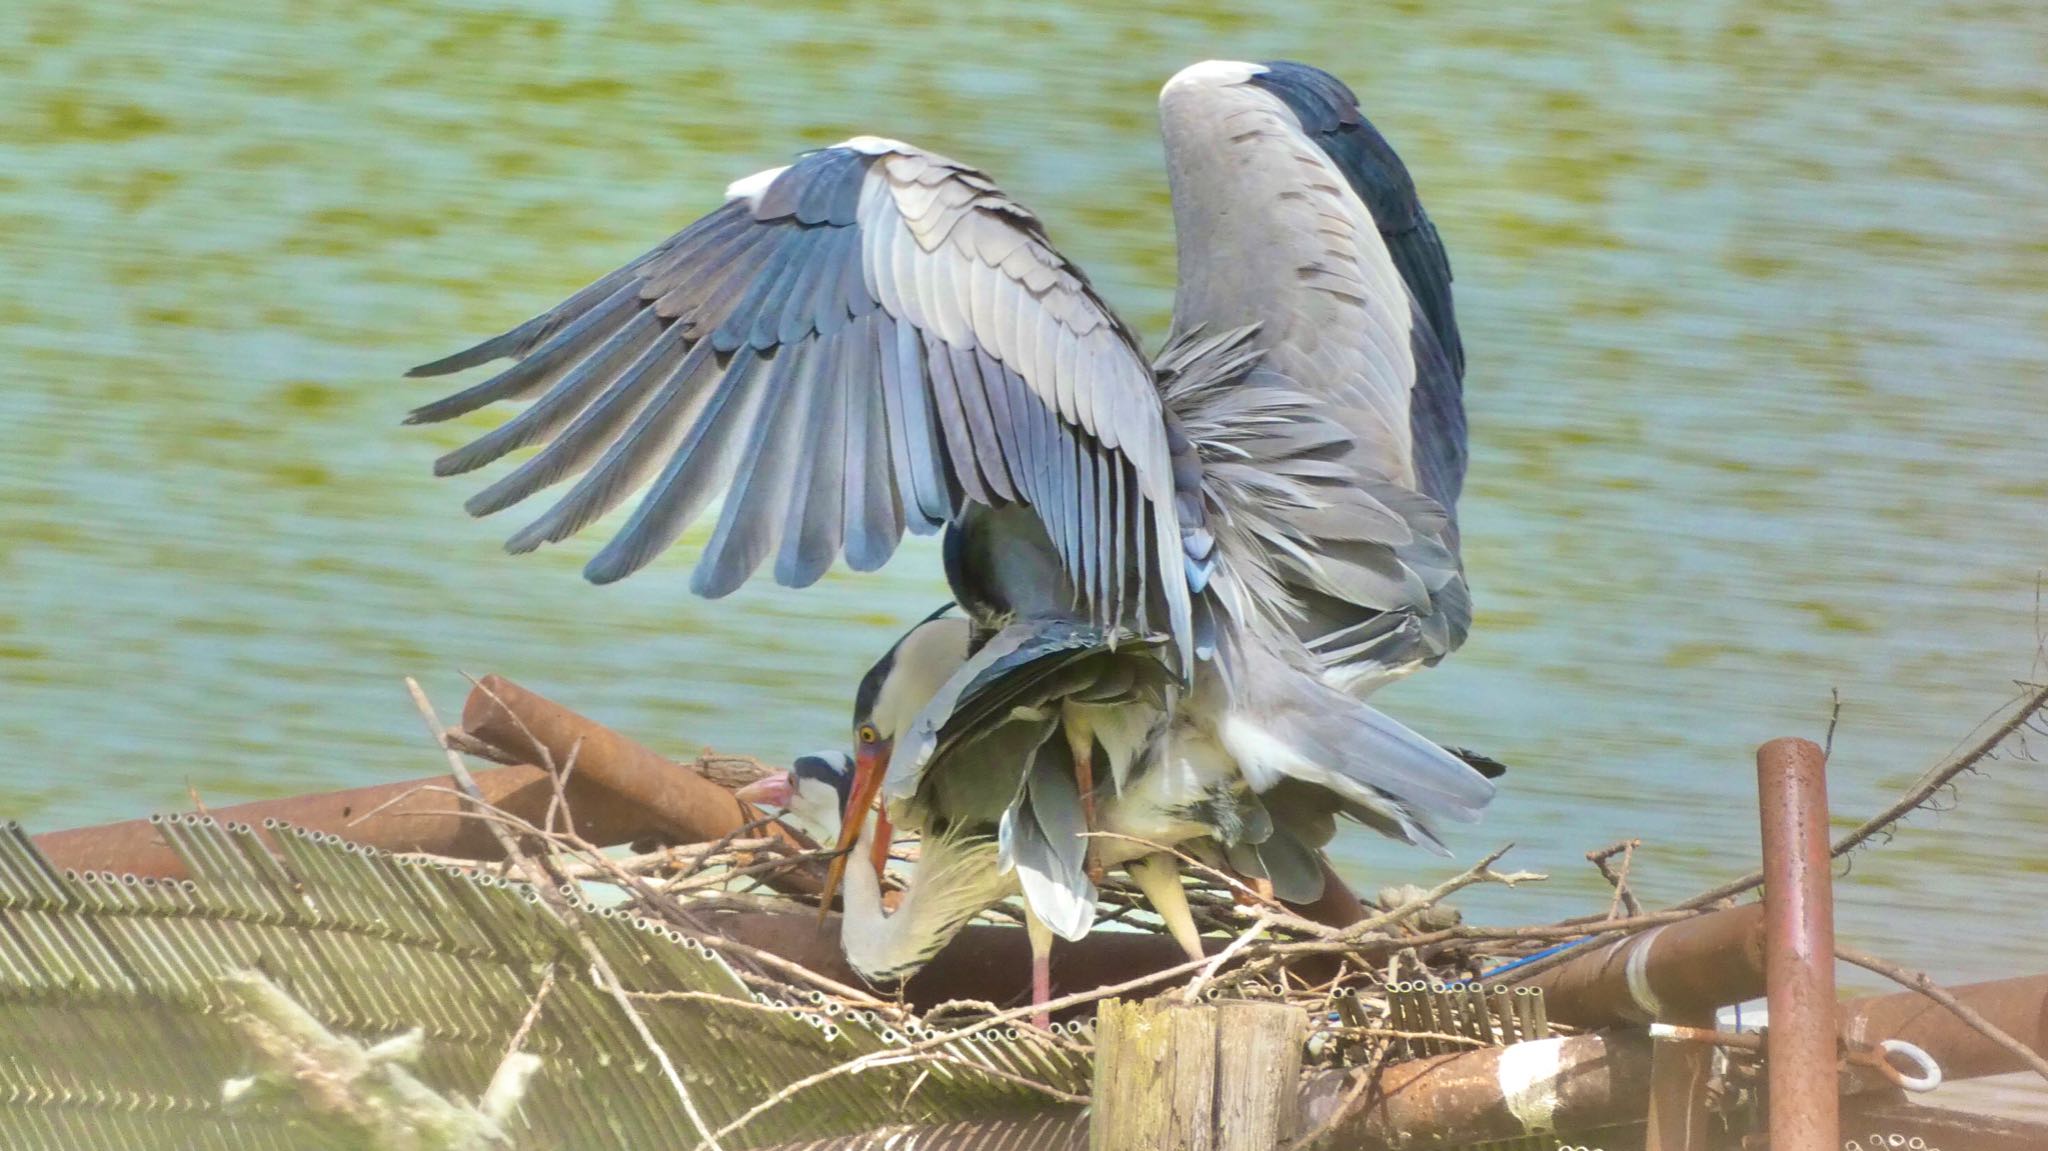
{"points": [[949, 886], [863, 888]]}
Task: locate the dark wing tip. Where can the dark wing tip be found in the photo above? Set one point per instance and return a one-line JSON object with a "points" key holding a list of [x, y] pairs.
{"points": [[1485, 765], [470, 357], [605, 568], [1320, 100], [448, 407]]}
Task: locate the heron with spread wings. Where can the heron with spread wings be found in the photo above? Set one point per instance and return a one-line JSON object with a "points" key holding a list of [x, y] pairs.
{"points": [[1176, 575]]}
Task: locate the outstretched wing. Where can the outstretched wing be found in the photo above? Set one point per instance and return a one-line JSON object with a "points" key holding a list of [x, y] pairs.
{"points": [[853, 344], [1332, 461], [1329, 115]]}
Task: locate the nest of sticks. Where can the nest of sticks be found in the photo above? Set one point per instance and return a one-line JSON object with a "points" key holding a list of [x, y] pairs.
{"points": [[1396, 977]]}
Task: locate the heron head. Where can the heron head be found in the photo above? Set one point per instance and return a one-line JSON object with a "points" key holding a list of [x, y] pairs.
{"points": [[814, 790], [886, 704]]}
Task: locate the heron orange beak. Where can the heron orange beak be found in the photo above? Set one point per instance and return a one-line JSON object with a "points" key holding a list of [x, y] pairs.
{"points": [[870, 764]]}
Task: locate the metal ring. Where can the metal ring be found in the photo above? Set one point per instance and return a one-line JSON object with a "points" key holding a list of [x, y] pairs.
{"points": [[1927, 1080]]}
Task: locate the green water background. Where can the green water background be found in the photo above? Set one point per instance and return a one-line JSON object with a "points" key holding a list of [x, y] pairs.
{"points": [[1755, 298]]}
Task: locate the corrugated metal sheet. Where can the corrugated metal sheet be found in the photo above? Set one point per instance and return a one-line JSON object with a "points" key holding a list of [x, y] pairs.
{"points": [[113, 1028], [1044, 1133]]}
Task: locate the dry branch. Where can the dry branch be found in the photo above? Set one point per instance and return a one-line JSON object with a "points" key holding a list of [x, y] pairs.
{"points": [[1921, 982], [2030, 705]]}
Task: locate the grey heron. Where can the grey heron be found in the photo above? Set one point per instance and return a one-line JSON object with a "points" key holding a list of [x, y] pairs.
{"points": [[967, 860], [959, 874], [963, 867], [1196, 562]]}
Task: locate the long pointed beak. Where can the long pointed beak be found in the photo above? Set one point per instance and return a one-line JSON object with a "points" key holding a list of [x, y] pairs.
{"points": [[868, 770], [770, 791]]}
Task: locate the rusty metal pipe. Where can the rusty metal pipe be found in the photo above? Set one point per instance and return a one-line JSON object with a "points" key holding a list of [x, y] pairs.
{"points": [[1674, 972], [410, 815], [695, 810], [1558, 1085], [1799, 946], [2018, 1006]]}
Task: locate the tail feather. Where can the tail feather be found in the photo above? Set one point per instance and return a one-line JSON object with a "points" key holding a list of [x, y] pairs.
{"points": [[1042, 837], [1397, 781], [1294, 868]]}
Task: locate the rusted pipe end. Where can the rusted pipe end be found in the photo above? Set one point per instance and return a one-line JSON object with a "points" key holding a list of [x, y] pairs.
{"points": [[1792, 758], [1799, 945]]}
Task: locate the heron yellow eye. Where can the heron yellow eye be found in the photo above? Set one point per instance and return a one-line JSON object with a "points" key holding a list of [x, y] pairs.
{"points": [[868, 734]]}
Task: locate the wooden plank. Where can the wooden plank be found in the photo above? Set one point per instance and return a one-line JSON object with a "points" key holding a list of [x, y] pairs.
{"points": [[1258, 1072], [1172, 1076]]}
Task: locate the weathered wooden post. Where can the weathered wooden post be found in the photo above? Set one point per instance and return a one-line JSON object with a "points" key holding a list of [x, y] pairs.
{"points": [[1173, 1076]]}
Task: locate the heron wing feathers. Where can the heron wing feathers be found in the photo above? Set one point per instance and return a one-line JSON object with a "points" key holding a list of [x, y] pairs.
{"points": [[848, 348], [1024, 670], [1333, 463]]}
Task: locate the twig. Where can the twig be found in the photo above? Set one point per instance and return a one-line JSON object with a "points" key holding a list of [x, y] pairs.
{"points": [[1920, 981], [1935, 780], [466, 784], [710, 938], [558, 803], [401, 797], [1045, 1089], [1216, 962], [652, 862], [1922, 790], [470, 745], [1480, 872], [547, 984], [1827, 747], [1618, 877], [609, 980], [508, 1082], [724, 842], [561, 911]]}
